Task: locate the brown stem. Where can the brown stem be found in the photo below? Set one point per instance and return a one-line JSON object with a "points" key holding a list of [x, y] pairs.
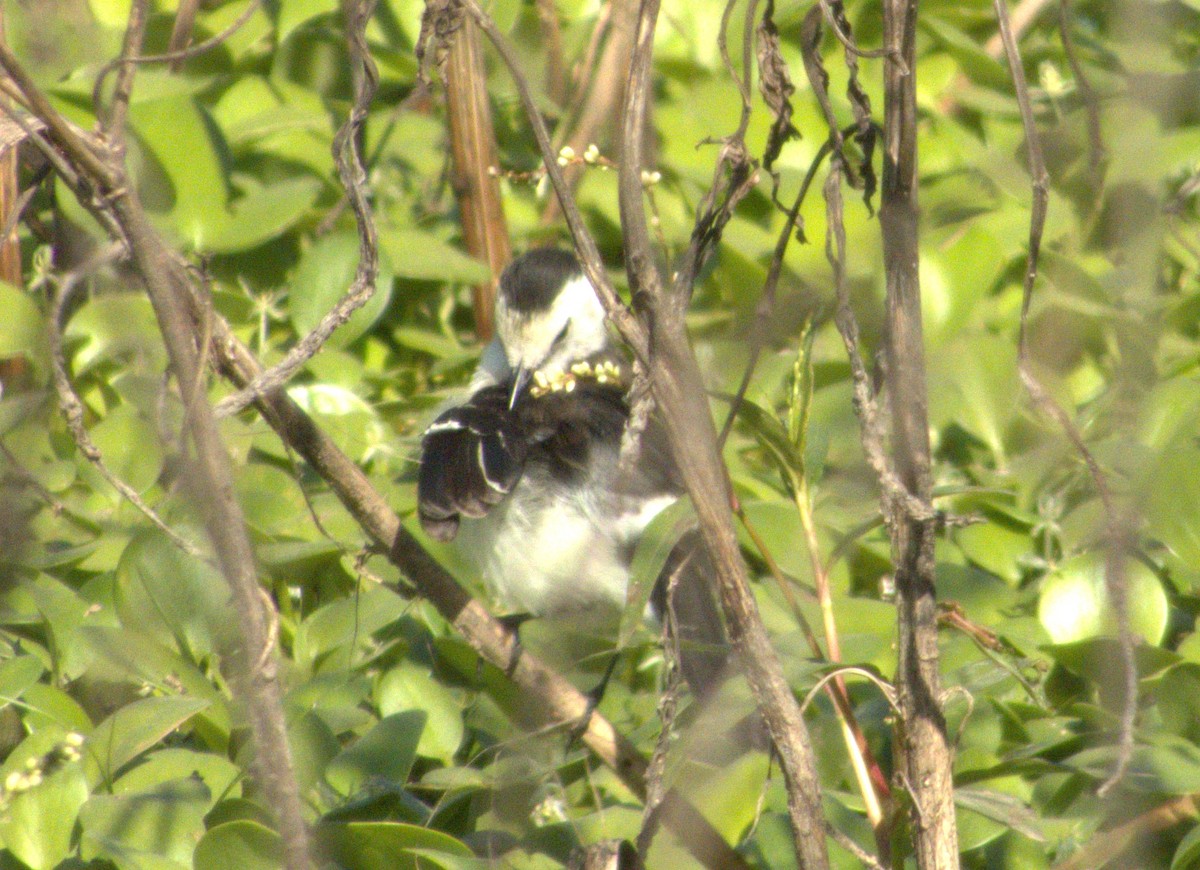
{"points": [[1119, 528], [209, 480], [473, 148], [181, 31], [925, 749], [605, 89]]}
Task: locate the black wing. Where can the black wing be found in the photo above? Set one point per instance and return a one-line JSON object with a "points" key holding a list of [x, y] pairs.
{"points": [[471, 458]]}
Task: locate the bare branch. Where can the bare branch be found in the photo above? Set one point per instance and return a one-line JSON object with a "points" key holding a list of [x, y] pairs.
{"points": [[631, 330], [925, 753], [72, 141], [113, 123], [181, 31], [207, 474], [353, 176], [645, 282], [556, 68], [72, 407], [1023, 16], [605, 85], [1118, 532]]}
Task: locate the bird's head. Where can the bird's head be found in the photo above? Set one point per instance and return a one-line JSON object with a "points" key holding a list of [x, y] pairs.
{"points": [[547, 315]]}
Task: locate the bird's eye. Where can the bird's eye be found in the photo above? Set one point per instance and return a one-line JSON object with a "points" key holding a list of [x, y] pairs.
{"points": [[562, 334]]}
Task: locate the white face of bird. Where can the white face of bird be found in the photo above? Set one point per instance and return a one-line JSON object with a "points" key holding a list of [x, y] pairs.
{"points": [[572, 328]]}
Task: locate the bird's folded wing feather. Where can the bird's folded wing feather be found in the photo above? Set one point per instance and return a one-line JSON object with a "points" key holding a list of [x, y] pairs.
{"points": [[472, 456]]}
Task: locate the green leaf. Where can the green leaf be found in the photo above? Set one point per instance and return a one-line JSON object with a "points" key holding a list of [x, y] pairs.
{"points": [[117, 328], [345, 627], [1074, 605], [216, 773], [649, 558], [36, 825], [161, 824], [1178, 695], [325, 273], [1006, 809], [410, 687], [386, 752], [128, 442], [245, 845], [385, 845], [354, 423], [18, 674], [1099, 658], [1187, 854], [263, 214], [22, 328], [135, 728], [125, 655], [64, 612], [313, 747], [1168, 765], [294, 13], [1172, 489], [422, 256], [183, 180], [178, 599], [271, 499]]}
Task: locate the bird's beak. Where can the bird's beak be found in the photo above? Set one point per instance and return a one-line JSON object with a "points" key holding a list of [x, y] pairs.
{"points": [[519, 381]]}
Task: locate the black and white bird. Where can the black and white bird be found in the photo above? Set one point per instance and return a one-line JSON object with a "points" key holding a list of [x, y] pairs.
{"points": [[527, 473]]}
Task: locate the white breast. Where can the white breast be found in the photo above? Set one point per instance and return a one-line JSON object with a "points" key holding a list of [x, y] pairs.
{"points": [[549, 550]]}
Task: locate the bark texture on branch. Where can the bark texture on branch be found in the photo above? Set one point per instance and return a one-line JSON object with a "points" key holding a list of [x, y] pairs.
{"points": [[473, 149], [679, 391], [926, 756]]}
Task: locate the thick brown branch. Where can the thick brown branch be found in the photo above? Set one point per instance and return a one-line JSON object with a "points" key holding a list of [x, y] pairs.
{"points": [[679, 391], [473, 148], [925, 749], [551, 700]]}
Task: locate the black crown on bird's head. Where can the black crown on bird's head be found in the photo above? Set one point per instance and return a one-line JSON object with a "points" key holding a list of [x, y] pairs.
{"points": [[531, 283], [548, 317]]}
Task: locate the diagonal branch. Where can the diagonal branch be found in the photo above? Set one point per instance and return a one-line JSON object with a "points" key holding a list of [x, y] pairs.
{"points": [[348, 159], [630, 328], [1117, 526]]}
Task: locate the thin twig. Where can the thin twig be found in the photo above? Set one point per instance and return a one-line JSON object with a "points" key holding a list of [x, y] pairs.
{"points": [[1097, 153], [764, 311], [175, 58], [353, 175], [631, 330], [181, 30], [556, 70], [679, 391], [113, 123], [847, 40], [925, 756], [72, 407], [62, 131], [1116, 529], [861, 854]]}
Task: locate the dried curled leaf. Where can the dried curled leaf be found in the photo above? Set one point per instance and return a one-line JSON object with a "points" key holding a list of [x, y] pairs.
{"points": [[861, 177], [439, 22], [775, 83], [860, 103]]}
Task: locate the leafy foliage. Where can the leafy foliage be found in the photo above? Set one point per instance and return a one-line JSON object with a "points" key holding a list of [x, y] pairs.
{"points": [[403, 741]]}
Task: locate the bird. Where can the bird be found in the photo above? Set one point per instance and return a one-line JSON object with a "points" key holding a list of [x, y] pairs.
{"points": [[527, 471]]}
